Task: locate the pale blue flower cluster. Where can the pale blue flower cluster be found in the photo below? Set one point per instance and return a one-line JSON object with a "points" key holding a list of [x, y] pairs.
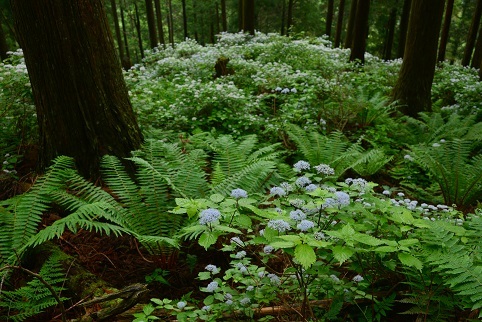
{"points": [[279, 225], [237, 241], [302, 182], [268, 249], [181, 305], [213, 286], [325, 169], [359, 183], [277, 191], [239, 193], [301, 165], [209, 216], [206, 308], [240, 255], [274, 279], [341, 199], [305, 225], [297, 215], [245, 301], [241, 268], [357, 278], [311, 187], [212, 268]]}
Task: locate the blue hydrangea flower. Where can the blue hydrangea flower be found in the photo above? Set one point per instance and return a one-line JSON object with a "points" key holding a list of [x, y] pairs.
{"points": [[343, 198], [237, 241], [239, 193], [209, 216], [311, 187], [268, 249], [240, 254], [286, 186], [241, 268], [206, 308], [245, 301], [304, 225], [181, 305], [274, 279], [250, 288], [335, 278], [279, 224], [358, 278], [261, 274], [277, 191], [302, 182], [319, 235], [212, 268], [301, 165], [325, 169], [228, 296], [229, 302], [297, 215], [213, 286]]}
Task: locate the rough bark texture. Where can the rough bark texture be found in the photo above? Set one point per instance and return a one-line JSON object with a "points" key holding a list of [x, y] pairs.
{"points": [[339, 23], [184, 19], [127, 63], [351, 24], [477, 58], [248, 16], [82, 103], [472, 35], [392, 20], [444, 37], [170, 23], [3, 43], [360, 31], [407, 4], [283, 15], [224, 16], [160, 28], [329, 17], [151, 23], [414, 83], [138, 30]]}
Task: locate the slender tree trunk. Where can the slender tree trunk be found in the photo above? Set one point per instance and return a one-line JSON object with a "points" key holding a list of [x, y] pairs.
{"points": [[240, 15], [138, 29], [392, 21], [81, 98], [283, 17], [329, 17], [444, 37], [184, 19], [170, 23], [160, 27], [413, 87], [407, 4], [339, 23], [249, 16], [128, 63], [360, 31], [218, 21], [351, 24], [151, 23], [196, 26], [289, 23], [118, 34], [472, 35], [3, 43], [477, 58], [224, 16]]}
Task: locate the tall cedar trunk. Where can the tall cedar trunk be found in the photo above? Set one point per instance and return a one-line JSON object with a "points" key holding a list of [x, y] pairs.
{"points": [[477, 58], [329, 17], [81, 98], [339, 23], [472, 35], [170, 23], [289, 22], [360, 31], [138, 29], [118, 35], [444, 37], [128, 62], [196, 27], [283, 15], [249, 17], [151, 23], [160, 28], [407, 4], [351, 24], [240, 15], [184, 19], [3, 43], [392, 20], [413, 87], [224, 16]]}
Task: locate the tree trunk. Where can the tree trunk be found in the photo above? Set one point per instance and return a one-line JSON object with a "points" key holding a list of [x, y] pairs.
{"points": [[407, 4], [196, 26], [184, 19], [81, 98], [360, 31], [392, 20], [339, 23], [289, 22], [128, 62], [138, 29], [118, 35], [151, 23], [160, 28], [351, 24], [3, 43], [444, 37], [477, 58], [472, 35], [329, 17], [283, 16], [170, 23], [413, 87], [240, 15], [249, 17], [224, 16]]}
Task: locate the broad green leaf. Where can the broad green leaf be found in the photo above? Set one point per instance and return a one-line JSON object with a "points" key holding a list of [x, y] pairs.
{"points": [[408, 242], [244, 202], [244, 221], [386, 249], [409, 260], [367, 239], [228, 229], [217, 198], [282, 244], [403, 216], [342, 253], [207, 239], [305, 255], [291, 238]]}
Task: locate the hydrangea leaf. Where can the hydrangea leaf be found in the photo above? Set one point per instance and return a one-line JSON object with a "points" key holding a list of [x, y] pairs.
{"points": [[305, 255], [342, 253], [217, 198], [208, 238]]}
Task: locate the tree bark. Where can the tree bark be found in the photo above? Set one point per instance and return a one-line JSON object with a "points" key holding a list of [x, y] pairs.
{"points": [[289, 22], [3, 43], [170, 23], [151, 23], [477, 58], [138, 29], [196, 26], [128, 62], [339, 23], [224, 16], [249, 16], [351, 24], [413, 87], [120, 43], [472, 35], [283, 16], [160, 28], [184, 19], [360, 31], [392, 20], [444, 37], [407, 4], [81, 98], [329, 17]]}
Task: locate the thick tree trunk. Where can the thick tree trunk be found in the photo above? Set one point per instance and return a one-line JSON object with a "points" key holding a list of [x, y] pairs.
{"points": [[160, 28], [120, 43], [477, 58], [392, 20], [249, 17], [289, 23], [444, 37], [3, 43], [360, 31], [224, 16], [407, 4], [472, 35], [351, 24], [151, 23], [138, 29], [83, 107], [339, 23], [413, 87], [329, 17], [184, 19]]}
